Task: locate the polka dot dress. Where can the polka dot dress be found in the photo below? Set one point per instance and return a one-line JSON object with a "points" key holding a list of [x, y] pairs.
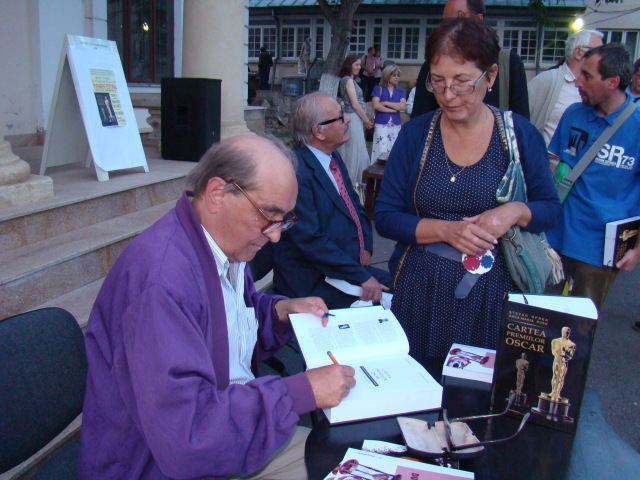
{"points": [[424, 299]]}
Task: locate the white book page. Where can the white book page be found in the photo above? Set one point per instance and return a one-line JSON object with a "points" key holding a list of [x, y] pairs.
{"points": [[388, 386], [581, 306], [351, 334]]}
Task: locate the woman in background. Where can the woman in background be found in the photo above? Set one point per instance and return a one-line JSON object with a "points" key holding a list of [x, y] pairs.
{"points": [[354, 151], [387, 101]]}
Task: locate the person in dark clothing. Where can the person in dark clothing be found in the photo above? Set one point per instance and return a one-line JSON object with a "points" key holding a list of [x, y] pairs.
{"points": [[518, 95], [265, 62]]}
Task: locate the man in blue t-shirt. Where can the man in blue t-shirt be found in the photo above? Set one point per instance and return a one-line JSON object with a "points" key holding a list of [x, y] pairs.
{"points": [[609, 188]]}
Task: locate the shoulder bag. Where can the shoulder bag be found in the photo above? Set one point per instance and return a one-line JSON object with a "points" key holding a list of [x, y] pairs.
{"points": [[532, 263]]}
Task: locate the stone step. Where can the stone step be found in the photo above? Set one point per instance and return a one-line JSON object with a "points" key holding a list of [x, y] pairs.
{"points": [[78, 302], [33, 223], [42, 271]]}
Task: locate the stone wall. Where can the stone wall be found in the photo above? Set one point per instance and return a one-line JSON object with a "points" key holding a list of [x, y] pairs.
{"points": [[278, 109]]}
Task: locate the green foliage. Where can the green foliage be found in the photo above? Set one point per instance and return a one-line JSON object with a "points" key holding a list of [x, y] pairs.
{"points": [[539, 9], [540, 16]]}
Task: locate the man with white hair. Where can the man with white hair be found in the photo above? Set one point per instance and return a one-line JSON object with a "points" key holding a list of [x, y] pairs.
{"points": [[334, 238], [551, 92]]}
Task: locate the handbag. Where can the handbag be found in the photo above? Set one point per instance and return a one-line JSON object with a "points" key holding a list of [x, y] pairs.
{"points": [[532, 263]]}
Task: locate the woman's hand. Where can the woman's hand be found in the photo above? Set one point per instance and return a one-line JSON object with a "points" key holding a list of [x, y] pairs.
{"points": [[500, 219], [468, 237], [368, 124]]}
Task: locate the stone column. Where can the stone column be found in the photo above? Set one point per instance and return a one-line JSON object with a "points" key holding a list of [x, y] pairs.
{"points": [[214, 47], [17, 186]]}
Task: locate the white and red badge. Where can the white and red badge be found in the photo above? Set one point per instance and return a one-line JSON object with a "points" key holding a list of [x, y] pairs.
{"points": [[478, 264]]}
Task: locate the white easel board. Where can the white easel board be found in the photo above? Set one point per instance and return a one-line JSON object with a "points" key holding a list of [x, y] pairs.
{"points": [[92, 115]]}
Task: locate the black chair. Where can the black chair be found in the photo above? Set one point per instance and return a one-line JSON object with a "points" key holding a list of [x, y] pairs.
{"points": [[43, 369], [262, 264], [288, 360]]}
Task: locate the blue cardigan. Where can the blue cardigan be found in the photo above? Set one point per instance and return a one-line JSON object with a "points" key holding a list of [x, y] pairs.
{"points": [[395, 216]]}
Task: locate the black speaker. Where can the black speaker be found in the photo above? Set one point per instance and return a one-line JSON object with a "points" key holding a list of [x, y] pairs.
{"points": [[190, 117]]}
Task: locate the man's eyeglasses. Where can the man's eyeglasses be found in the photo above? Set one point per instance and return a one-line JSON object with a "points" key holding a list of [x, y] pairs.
{"points": [[327, 122], [286, 223], [456, 89]]}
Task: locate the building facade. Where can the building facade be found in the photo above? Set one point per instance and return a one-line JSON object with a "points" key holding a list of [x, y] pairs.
{"points": [[151, 40]]}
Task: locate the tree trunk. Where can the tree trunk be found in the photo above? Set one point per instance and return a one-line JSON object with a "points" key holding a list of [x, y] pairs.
{"points": [[340, 17], [329, 84]]}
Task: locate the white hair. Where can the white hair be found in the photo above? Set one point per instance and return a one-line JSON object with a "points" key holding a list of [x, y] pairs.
{"points": [[578, 39]]}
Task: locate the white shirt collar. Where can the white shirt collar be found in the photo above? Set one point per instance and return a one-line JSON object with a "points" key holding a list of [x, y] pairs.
{"points": [[568, 74], [325, 161], [226, 269]]}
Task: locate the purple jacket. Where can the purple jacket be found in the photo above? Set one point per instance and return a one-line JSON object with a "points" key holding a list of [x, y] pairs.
{"points": [[158, 403]]}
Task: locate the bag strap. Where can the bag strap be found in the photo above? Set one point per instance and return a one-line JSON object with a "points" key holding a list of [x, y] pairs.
{"points": [[513, 186], [425, 151], [568, 181], [503, 73]]}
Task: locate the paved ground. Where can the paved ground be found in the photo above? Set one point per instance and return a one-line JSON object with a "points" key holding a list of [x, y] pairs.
{"points": [[614, 370]]}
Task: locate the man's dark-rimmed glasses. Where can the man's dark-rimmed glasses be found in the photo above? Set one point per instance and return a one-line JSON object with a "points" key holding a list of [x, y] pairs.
{"points": [[286, 223], [327, 122]]}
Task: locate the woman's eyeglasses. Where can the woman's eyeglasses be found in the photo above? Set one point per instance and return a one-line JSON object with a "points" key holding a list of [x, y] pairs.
{"points": [[456, 89]]}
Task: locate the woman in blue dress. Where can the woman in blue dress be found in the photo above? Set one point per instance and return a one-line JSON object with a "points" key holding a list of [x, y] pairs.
{"points": [[438, 199], [387, 100]]}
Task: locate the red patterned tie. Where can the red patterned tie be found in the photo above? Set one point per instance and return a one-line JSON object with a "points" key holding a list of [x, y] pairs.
{"points": [[333, 166]]}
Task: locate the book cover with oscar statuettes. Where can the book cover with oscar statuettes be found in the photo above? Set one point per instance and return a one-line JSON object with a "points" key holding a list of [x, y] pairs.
{"points": [[543, 357]]}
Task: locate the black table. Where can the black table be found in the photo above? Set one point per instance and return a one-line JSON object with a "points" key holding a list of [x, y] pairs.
{"points": [[536, 453]]}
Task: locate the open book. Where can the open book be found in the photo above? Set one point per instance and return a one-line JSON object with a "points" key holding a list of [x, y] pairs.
{"points": [[370, 339]]}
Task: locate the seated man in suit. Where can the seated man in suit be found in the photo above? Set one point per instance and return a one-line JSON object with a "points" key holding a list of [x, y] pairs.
{"points": [[333, 236]]}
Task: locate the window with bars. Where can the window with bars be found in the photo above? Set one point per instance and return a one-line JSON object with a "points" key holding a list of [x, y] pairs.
{"points": [[262, 36], [403, 39], [553, 44], [292, 36], [522, 37], [319, 40], [143, 31], [358, 43], [627, 38], [377, 34], [377, 37]]}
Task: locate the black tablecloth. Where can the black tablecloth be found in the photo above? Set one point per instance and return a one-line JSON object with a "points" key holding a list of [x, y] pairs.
{"points": [[537, 453]]}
